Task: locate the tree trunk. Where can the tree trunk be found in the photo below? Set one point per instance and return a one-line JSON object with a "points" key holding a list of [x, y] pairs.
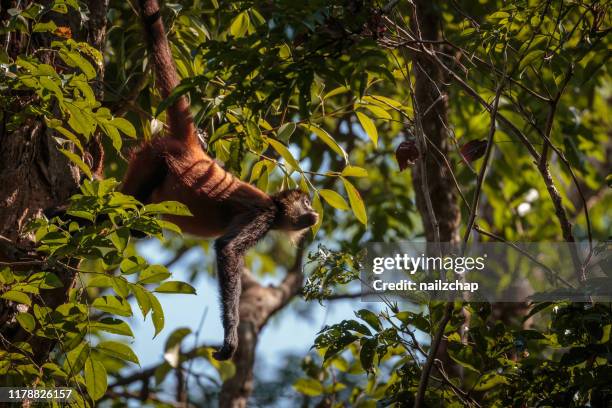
{"points": [[432, 103], [35, 176]]}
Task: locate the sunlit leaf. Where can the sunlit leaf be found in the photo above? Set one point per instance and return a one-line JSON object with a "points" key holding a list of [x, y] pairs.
{"points": [[15, 296], [176, 287], [157, 313], [368, 126], [334, 199], [95, 378], [327, 139], [153, 274], [356, 201], [240, 25], [112, 325], [117, 350], [354, 171], [284, 153], [113, 304], [78, 161], [26, 321]]}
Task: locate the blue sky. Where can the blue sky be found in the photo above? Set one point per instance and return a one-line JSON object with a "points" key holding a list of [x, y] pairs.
{"points": [[287, 332]]}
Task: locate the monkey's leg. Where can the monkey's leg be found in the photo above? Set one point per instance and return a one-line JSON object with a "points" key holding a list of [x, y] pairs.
{"points": [[244, 233]]}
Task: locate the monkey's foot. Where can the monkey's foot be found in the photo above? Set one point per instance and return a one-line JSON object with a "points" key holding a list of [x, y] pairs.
{"points": [[225, 353]]}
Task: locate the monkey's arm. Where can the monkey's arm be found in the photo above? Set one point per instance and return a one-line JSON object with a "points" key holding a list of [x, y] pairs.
{"points": [[146, 171], [243, 234]]}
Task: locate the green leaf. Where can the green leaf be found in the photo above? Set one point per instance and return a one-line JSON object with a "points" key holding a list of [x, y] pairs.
{"points": [[120, 285], [70, 136], [54, 370], [74, 59], [157, 313], [370, 318], [142, 298], [285, 153], [498, 15], [80, 82], [489, 380], [50, 85], [48, 26], [334, 199], [79, 119], [382, 101], [125, 126], [45, 280], [111, 325], [257, 169], [26, 321], [95, 378], [18, 297], [377, 111], [153, 274], [176, 337], [100, 281], [317, 205], [78, 161], [369, 127], [168, 208], [113, 304], [336, 91], [367, 352], [176, 287], [240, 25], [530, 57], [354, 171], [117, 350], [356, 202], [167, 225], [6, 277], [465, 356], [75, 358], [113, 135], [327, 139], [120, 238], [285, 132], [132, 265], [161, 372], [308, 386]]}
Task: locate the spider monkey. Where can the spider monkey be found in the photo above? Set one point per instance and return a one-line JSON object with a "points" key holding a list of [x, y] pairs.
{"points": [[177, 168]]}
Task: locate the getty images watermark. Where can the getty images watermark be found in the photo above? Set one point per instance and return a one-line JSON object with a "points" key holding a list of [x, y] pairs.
{"points": [[492, 272]]}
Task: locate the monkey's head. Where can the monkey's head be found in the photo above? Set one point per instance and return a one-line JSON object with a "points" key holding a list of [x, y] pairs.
{"points": [[294, 211]]}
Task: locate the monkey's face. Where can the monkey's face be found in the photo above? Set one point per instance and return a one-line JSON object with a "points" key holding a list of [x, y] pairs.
{"points": [[295, 211], [307, 217]]}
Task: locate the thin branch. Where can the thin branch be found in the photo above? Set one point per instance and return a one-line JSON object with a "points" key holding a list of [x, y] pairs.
{"points": [[431, 357], [483, 169]]}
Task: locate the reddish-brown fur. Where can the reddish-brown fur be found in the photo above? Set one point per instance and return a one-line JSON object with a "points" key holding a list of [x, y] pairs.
{"points": [[176, 168]]}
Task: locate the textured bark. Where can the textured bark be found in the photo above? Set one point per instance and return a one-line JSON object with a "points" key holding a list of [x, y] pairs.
{"points": [[433, 105], [257, 305], [34, 175]]}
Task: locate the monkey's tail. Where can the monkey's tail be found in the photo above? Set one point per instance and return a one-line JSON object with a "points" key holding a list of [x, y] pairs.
{"points": [[178, 116]]}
